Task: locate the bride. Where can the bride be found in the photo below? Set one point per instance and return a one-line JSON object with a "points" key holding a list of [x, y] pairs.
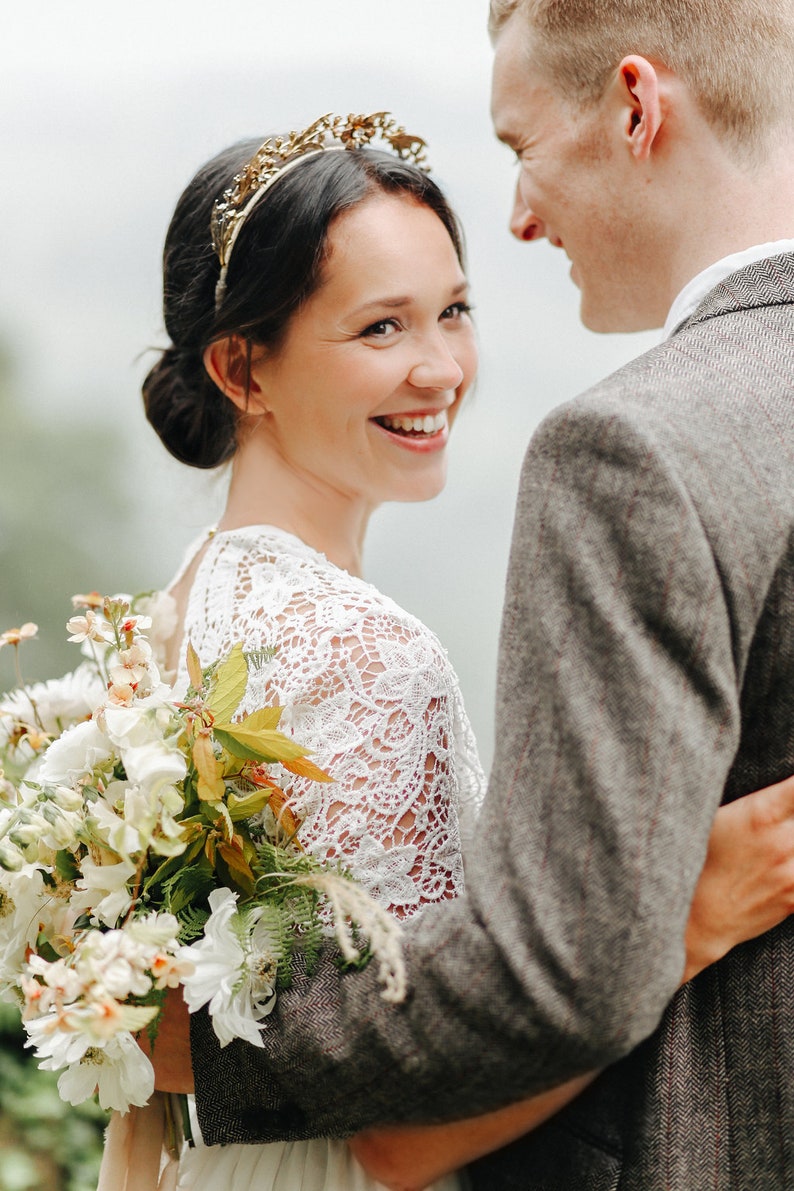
{"points": [[316, 300]]}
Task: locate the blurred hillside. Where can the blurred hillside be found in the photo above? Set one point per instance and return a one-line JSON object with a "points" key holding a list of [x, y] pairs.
{"points": [[65, 526]]}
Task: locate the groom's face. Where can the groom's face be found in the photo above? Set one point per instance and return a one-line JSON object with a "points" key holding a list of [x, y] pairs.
{"points": [[574, 187]]}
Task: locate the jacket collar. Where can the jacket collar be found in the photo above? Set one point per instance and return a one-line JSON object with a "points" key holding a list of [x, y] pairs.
{"points": [[767, 282]]}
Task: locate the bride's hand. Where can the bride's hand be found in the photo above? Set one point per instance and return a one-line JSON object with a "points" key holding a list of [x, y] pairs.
{"points": [[747, 883], [170, 1057]]}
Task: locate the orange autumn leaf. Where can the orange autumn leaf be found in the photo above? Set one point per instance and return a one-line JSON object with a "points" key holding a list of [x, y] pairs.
{"points": [[303, 767], [284, 815], [210, 772]]}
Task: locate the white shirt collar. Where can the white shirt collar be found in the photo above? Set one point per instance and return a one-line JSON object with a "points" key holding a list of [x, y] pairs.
{"points": [[695, 290]]}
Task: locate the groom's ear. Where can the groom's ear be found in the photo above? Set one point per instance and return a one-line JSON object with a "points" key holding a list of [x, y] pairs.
{"points": [[228, 363], [640, 94]]}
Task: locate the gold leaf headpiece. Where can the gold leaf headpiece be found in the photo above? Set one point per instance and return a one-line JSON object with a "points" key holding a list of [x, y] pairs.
{"points": [[276, 156]]}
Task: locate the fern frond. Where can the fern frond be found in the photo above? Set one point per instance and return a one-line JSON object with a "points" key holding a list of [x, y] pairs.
{"points": [[192, 921], [190, 884], [257, 658]]}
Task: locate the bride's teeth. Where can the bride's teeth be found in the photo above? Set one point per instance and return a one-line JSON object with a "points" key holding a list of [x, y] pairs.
{"points": [[429, 424]]}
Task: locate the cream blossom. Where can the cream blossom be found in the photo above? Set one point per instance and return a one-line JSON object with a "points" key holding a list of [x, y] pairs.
{"points": [[92, 600], [16, 636], [121, 694], [89, 628]]}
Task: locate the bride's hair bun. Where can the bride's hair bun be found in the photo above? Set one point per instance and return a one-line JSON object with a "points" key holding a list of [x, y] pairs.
{"points": [[276, 266], [193, 419]]}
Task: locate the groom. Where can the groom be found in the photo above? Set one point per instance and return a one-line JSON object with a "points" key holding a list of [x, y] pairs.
{"points": [[646, 658]]}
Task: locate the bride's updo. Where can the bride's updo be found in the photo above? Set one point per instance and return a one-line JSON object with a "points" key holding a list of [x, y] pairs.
{"points": [[276, 265]]}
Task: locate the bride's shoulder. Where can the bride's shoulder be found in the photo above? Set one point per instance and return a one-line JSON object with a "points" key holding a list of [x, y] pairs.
{"points": [[265, 587], [270, 566]]}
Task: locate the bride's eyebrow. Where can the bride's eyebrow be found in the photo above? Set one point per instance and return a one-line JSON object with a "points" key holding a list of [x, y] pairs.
{"points": [[395, 303], [380, 303]]}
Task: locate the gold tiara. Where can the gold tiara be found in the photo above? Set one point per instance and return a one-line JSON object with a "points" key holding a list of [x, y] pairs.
{"points": [[276, 156]]}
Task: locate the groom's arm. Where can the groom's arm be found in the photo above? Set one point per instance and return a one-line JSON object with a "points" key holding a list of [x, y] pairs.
{"points": [[618, 722]]}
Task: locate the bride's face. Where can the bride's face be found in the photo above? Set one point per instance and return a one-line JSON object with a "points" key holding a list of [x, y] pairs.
{"points": [[360, 397]]}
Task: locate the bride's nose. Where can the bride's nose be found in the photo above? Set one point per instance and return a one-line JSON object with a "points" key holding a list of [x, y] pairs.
{"points": [[436, 367]]}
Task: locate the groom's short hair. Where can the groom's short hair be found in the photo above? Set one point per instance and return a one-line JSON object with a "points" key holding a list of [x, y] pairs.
{"points": [[736, 56]]}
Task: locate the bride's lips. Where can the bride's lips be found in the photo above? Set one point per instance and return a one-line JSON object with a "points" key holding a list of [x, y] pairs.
{"points": [[421, 430]]}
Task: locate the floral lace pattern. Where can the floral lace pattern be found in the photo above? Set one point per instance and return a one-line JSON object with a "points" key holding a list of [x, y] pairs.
{"points": [[369, 689]]}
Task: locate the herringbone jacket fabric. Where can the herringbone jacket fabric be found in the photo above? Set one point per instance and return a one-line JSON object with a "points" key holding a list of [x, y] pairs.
{"points": [[646, 673]]}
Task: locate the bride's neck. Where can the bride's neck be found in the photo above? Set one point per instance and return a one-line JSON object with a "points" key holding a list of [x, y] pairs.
{"points": [[266, 490]]}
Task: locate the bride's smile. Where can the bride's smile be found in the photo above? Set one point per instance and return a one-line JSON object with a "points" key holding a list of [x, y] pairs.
{"points": [[422, 430]]}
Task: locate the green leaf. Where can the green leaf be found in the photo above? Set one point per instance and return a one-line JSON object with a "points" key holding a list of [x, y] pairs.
{"points": [[188, 885], [253, 745], [174, 863], [263, 720], [251, 804], [66, 866], [229, 683]]}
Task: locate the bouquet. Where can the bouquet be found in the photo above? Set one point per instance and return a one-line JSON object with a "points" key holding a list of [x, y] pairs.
{"points": [[146, 842]]}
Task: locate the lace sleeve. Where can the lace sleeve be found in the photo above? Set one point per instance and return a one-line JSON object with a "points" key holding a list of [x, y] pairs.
{"points": [[370, 691], [377, 713]]}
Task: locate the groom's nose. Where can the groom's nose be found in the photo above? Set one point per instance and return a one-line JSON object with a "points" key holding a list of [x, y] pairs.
{"points": [[524, 223]]}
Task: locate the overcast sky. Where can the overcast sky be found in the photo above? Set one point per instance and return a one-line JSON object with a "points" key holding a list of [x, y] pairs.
{"points": [[105, 112]]}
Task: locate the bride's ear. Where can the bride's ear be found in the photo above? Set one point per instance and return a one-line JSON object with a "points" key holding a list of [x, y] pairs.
{"points": [[228, 363]]}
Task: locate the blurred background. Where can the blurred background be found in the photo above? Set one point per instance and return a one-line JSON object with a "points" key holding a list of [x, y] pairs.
{"points": [[105, 112]]}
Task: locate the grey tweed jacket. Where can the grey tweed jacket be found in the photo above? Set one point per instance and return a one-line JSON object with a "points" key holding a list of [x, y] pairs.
{"points": [[646, 674]]}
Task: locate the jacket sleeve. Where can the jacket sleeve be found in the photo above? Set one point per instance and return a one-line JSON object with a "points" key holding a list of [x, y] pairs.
{"points": [[617, 722]]}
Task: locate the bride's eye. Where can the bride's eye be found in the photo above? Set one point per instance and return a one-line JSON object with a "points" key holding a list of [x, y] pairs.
{"points": [[385, 328], [456, 310]]}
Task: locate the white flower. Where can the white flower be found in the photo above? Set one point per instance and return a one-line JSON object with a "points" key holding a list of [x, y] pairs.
{"points": [[105, 893], [59, 828], [154, 764], [23, 897], [147, 721], [119, 1071], [234, 971], [154, 930], [60, 702], [65, 982], [117, 830], [115, 963], [54, 1046], [89, 628], [74, 755]]}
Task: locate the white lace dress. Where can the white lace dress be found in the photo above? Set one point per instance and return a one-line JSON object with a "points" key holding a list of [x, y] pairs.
{"points": [[371, 691]]}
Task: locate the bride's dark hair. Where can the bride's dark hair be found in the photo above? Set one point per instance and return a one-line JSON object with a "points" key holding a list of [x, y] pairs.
{"points": [[276, 265]]}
